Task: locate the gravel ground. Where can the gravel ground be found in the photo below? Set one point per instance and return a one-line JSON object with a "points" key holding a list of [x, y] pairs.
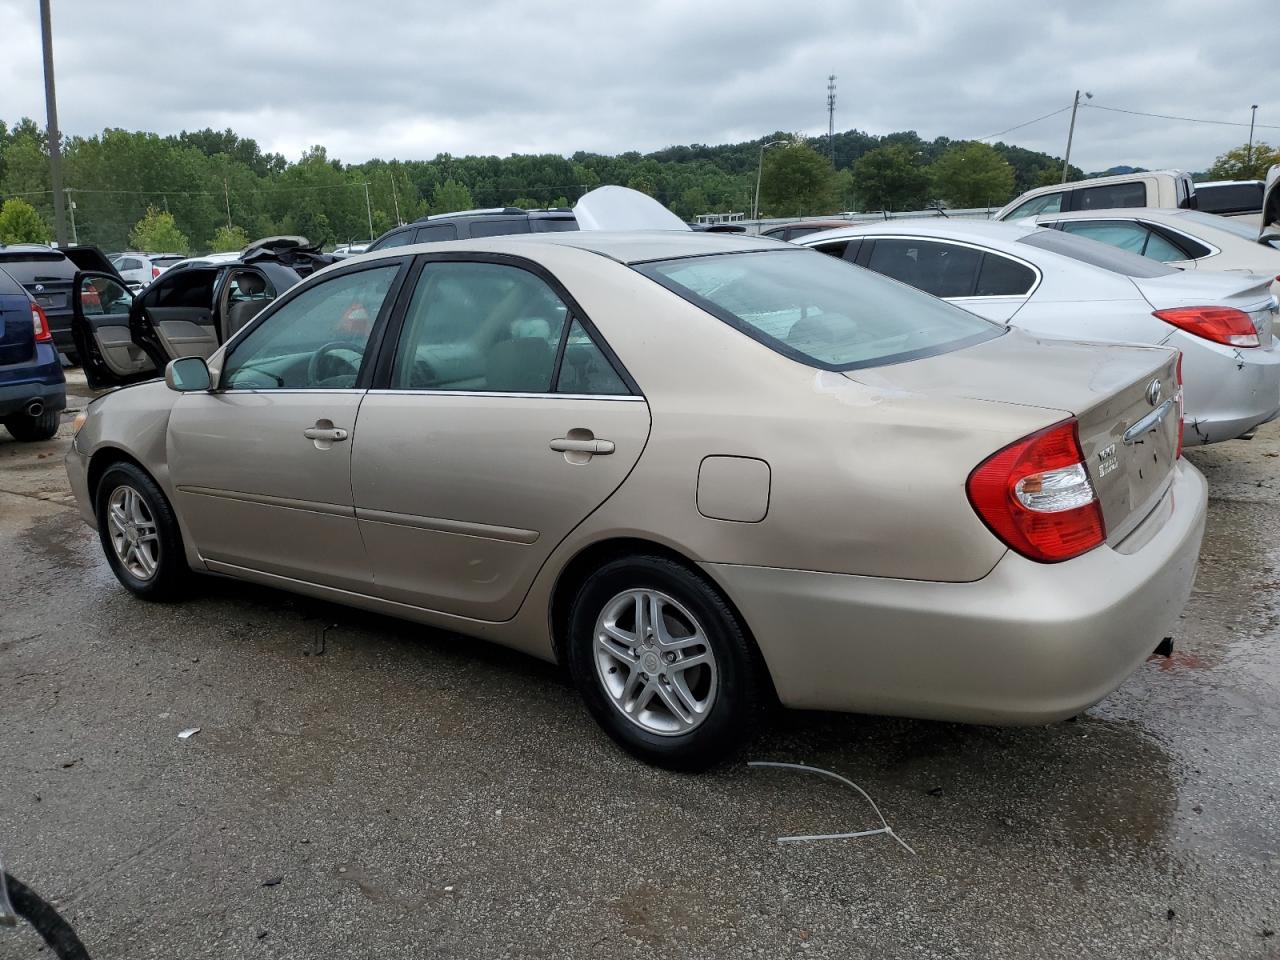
{"points": [[364, 787]]}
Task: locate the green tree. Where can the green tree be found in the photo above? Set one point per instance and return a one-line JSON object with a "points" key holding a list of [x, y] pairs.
{"points": [[797, 180], [229, 239], [158, 233], [20, 223], [450, 197], [890, 178], [1236, 165], [973, 175]]}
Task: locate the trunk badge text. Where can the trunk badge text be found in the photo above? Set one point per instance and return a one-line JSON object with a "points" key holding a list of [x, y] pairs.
{"points": [[1154, 391], [1107, 459]]}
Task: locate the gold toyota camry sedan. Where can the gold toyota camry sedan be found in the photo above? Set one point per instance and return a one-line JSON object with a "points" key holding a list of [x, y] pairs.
{"points": [[703, 471]]}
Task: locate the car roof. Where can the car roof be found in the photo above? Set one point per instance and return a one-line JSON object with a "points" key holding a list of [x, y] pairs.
{"points": [[954, 228], [627, 247], [1231, 183]]}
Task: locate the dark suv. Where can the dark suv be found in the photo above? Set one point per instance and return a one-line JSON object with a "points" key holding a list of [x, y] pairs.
{"points": [[469, 224]]}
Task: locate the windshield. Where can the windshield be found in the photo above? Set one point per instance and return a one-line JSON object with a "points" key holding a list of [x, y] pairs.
{"points": [[1097, 254], [818, 310]]}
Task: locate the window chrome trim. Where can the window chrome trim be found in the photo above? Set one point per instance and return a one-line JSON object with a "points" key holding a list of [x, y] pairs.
{"points": [[628, 397], [925, 238]]}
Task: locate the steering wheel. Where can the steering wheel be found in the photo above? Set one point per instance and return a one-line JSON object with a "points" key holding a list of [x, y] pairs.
{"points": [[316, 364]]}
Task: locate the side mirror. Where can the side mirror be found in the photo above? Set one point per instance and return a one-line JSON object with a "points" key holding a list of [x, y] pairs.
{"points": [[187, 375]]}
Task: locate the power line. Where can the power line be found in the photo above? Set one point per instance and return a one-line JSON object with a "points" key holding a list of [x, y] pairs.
{"points": [[1028, 123], [1165, 116]]}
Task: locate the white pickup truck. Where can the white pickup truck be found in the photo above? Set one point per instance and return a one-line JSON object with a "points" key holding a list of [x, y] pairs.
{"points": [[1149, 188]]}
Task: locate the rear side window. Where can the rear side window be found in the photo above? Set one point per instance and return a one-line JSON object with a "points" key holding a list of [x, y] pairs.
{"points": [[1096, 254], [1112, 195], [436, 232], [1120, 234], [1002, 277], [400, 239], [1230, 198], [552, 224], [1048, 203], [499, 228], [816, 311], [942, 269], [585, 369]]}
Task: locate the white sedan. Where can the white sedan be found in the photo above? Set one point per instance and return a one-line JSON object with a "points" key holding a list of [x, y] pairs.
{"points": [[1188, 239], [1058, 285]]}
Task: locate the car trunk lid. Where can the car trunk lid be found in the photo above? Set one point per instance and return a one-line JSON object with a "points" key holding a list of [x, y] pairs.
{"points": [[1124, 399], [1248, 292]]}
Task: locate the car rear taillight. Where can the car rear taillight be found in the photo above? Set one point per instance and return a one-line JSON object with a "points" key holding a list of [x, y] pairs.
{"points": [[155, 271], [1037, 497], [1219, 324], [40, 322], [1181, 424]]}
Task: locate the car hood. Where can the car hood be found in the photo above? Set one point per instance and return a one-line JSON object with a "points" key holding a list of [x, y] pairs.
{"points": [[620, 208]]}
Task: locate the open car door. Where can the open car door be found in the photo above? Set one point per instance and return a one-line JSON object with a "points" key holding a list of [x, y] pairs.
{"points": [[90, 259], [101, 307], [1269, 232]]}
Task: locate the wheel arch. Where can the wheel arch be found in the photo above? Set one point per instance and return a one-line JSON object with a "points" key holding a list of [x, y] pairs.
{"points": [[594, 555], [102, 460]]}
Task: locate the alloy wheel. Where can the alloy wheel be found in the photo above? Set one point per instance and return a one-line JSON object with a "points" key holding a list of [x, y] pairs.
{"points": [[133, 532], [655, 662]]}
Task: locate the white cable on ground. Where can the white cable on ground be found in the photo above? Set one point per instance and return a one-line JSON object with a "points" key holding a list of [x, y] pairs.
{"points": [[834, 836]]}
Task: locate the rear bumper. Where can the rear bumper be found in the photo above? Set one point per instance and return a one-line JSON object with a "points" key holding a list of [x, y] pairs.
{"points": [[1229, 391], [42, 380], [1029, 643]]}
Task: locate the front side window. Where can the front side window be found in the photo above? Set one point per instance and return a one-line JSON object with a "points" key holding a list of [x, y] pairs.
{"points": [[401, 239], [833, 248], [1046, 203], [819, 312], [315, 341], [942, 269], [1111, 196], [479, 326]]}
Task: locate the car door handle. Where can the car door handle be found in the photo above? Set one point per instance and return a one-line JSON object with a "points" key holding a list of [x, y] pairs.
{"points": [[597, 447], [332, 434]]}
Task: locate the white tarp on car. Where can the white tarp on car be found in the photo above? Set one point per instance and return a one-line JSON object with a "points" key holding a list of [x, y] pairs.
{"points": [[620, 208], [1270, 205]]}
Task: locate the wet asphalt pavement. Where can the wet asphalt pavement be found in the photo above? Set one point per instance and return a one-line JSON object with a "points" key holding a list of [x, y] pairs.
{"points": [[363, 787]]}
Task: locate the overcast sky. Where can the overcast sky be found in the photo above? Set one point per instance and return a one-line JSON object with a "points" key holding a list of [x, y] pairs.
{"points": [[377, 78]]}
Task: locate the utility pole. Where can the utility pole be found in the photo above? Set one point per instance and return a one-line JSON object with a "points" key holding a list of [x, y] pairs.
{"points": [[1071, 131], [55, 137], [71, 209], [226, 196], [368, 208], [831, 117], [395, 200], [1252, 117]]}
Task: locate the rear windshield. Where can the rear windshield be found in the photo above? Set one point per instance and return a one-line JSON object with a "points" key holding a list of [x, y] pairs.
{"points": [[1230, 198], [819, 310], [1235, 227], [30, 265], [1097, 254]]}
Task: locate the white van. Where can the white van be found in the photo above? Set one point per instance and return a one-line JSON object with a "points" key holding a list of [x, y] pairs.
{"points": [[1151, 188]]}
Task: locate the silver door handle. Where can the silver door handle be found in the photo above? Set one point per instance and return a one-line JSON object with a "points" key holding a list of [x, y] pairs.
{"points": [[597, 447], [325, 433]]}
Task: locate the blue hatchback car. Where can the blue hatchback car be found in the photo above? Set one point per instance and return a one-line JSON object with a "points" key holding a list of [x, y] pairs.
{"points": [[33, 390]]}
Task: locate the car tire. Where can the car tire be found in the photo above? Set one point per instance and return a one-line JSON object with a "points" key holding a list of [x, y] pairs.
{"points": [[629, 672], [27, 428], [140, 534]]}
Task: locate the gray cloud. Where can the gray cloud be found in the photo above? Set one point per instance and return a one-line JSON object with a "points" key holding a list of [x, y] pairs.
{"points": [[410, 80]]}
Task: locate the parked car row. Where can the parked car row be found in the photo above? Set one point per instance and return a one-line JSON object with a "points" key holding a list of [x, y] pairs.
{"points": [[700, 470]]}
